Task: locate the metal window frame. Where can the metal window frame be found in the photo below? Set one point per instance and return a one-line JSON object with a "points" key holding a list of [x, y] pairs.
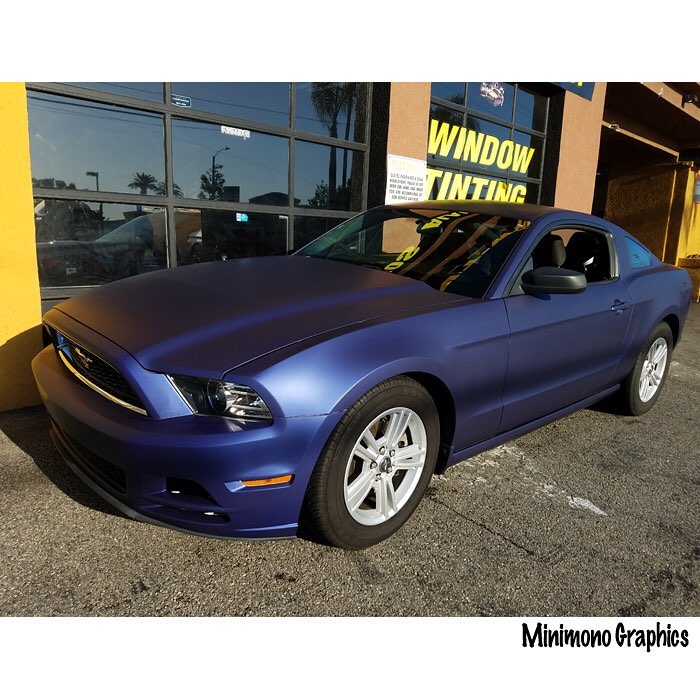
{"points": [[169, 202], [466, 111]]}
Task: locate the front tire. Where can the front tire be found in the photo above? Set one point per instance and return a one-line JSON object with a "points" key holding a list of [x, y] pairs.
{"points": [[375, 467], [643, 384]]}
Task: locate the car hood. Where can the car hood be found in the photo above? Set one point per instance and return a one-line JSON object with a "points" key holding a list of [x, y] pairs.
{"points": [[209, 318]]}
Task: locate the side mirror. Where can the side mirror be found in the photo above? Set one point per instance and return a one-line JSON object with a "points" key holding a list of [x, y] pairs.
{"points": [[553, 280]]}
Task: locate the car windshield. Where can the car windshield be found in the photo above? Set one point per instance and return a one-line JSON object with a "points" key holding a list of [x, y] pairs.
{"points": [[453, 251]]}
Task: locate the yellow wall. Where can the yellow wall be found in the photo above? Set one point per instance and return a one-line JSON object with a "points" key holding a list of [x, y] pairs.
{"points": [[693, 241], [689, 242], [20, 305]]}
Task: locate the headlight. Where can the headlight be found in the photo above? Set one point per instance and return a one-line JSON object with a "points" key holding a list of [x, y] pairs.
{"points": [[212, 397]]}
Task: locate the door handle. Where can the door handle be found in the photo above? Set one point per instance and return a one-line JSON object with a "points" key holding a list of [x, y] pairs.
{"points": [[619, 306]]}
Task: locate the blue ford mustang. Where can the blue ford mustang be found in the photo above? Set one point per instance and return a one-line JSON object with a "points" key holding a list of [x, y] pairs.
{"points": [[247, 398]]}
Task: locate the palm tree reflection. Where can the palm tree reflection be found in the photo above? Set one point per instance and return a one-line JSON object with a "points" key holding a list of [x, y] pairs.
{"points": [[330, 101]]}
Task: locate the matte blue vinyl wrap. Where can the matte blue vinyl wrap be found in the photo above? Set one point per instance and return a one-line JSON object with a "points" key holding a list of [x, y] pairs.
{"points": [[209, 450], [312, 336]]}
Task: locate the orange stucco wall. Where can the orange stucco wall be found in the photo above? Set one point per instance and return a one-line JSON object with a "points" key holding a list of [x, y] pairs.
{"points": [[578, 152], [655, 203], [639, 200], [409, 106]]}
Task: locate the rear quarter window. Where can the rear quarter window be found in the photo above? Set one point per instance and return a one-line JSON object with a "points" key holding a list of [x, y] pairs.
{"points": [[637, 254]]}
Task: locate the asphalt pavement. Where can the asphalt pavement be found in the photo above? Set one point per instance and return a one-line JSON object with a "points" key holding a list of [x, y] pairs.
{"points": [[596, 514]]}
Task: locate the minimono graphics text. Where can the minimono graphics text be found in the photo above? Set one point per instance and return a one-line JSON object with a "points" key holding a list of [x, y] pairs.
{"points": [[544, 637]]}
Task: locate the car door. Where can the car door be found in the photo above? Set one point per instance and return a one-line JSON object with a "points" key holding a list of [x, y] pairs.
{"points": [[564, 347]]}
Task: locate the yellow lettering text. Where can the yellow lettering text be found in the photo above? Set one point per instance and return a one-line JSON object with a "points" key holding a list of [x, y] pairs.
{"points": [[505, 155], [502, 193], [460, 186], [522, 157], [408, 253], [478, 183], [492, 187], [431, 176], [444, 185], [438, 220], [442, 136], [518, 194], [459, 147], [490, 150], [472, 146]]}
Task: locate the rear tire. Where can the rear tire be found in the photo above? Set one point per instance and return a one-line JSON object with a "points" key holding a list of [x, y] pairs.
{"points": [[643, 384], [375, 467]]}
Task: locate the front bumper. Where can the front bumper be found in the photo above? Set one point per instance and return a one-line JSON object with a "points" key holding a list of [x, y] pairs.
{"points": [[183, 472]]}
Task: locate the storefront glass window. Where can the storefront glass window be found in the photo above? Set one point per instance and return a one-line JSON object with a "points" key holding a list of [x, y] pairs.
{"points": [[79, 145], [452, 92], [83, 243], [249, 166], [455, 184], [490, 149], [530, 110], [111, 179], [525, 191], [444, 114], [328, 177], [141, 91], [471, 156], [439, 183], [495, 99], [528, 160], [267, 103], [338, 110], [205, 235]]}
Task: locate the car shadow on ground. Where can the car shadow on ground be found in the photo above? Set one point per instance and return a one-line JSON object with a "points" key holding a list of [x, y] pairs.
{"points": [[28, 428], [610, 404]]}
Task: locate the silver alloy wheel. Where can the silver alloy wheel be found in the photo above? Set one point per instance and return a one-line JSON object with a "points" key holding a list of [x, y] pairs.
{"points": [[653, 369], [385, 466]]}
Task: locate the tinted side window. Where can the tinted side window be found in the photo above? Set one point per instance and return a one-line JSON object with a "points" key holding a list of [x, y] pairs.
{"points": [[588, 251], [638, 256]]}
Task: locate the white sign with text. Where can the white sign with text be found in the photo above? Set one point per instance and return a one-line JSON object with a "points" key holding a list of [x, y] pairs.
{"points": [[405, 179]]}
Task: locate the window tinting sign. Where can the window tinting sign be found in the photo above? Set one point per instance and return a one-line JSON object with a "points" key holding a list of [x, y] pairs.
{"points": [[493, 92], [468, 146], [181, 101], [235, 131]]}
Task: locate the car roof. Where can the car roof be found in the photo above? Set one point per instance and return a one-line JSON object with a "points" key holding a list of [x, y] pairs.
{"points": [[527, 212]]}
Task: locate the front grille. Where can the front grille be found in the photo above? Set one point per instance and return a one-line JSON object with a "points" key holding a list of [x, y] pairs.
{"points": [[95, 466], [95, 370]]}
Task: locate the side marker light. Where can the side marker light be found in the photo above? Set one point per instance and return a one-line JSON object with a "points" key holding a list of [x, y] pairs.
{"points": [[269, 482]]}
